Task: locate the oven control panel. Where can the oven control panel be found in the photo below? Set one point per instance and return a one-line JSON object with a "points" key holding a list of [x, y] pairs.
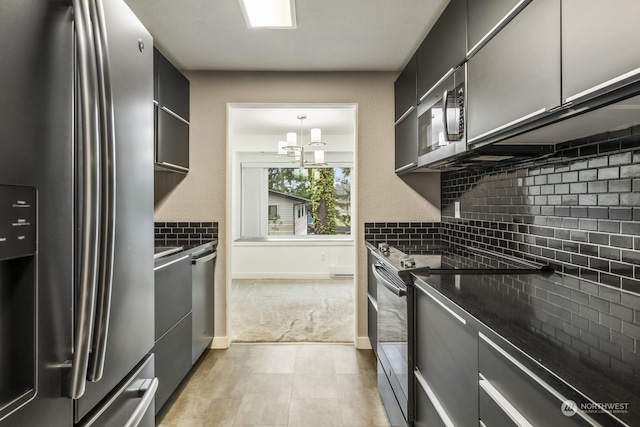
{"points": [[17, 221]]}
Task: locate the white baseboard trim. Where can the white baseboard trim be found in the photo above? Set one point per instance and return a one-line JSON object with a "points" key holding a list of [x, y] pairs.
{"points": [[301, 275], [220, 343], [363, 343]]}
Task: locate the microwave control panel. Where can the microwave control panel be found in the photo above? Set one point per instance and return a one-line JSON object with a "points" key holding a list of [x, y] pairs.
{"points": [[17, 221]]}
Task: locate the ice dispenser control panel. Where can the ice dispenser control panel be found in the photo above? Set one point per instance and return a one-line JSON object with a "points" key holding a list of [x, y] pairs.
{"points": [[17, 221]]}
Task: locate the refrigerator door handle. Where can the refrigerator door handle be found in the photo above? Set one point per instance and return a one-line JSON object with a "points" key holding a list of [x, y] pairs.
{"points": [[90, 215], [107, 238], [147, 390]]}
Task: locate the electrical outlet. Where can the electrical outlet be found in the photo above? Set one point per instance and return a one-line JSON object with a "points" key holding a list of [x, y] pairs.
{"points": [[456, 206]]}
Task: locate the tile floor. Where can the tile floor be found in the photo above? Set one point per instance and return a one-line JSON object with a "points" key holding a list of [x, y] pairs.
{"points": [[279, 385]]}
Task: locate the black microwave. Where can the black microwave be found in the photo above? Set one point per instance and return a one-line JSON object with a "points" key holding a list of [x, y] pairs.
{"points": [[441, 121]]}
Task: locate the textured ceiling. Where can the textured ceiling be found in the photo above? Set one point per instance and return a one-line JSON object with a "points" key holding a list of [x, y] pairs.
{"points": [[332, 35]]}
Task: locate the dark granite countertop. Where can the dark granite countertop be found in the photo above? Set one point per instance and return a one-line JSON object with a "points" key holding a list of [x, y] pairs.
{"points": [[585, 334]]}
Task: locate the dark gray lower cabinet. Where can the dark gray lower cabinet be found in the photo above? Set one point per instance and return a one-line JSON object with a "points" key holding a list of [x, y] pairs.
{"points": [[173, 359], [503, 379], [446, 358], [172, 292], [173, 324]]}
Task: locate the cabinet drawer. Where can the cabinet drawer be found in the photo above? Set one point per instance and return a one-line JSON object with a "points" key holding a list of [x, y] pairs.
{"points": [[173, 359], [525, 393], [172, 293]]}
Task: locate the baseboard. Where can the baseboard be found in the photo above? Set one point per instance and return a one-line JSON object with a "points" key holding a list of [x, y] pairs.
{"points": [[363, 343], [220, 343], [301, 275]]}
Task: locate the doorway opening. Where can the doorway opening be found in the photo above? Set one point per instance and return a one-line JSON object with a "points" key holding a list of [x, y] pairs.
{"points": [[292, 207]]}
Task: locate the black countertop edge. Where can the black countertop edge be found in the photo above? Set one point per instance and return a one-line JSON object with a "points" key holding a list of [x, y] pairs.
{"points": [[575, 378]]}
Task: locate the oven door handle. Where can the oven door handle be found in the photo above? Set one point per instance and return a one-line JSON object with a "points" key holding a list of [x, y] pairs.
{"points": [[393, 288]]}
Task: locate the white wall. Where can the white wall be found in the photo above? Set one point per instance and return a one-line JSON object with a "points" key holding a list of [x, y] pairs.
{"points": [[382, 196]]}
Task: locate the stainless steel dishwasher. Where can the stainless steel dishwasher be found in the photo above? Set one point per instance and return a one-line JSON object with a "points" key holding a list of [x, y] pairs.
{"points": [[203, 269]]}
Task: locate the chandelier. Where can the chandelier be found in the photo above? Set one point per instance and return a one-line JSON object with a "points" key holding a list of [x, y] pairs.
{"points": [[294, 148]]}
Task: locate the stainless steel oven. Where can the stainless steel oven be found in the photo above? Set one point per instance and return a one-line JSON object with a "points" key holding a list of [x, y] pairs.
{"points": [[441, 121], [393, 350]]}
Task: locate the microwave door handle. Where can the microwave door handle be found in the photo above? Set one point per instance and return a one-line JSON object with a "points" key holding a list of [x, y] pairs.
{"points": [[445, 121], [89, 233], [105, 282]]}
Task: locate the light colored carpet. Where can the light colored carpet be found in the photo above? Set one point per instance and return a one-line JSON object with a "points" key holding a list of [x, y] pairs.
{"points": [[275, 310]]}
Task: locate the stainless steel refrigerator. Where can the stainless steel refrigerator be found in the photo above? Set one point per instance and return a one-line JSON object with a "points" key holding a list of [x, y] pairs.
{"points": [[76, 171]]}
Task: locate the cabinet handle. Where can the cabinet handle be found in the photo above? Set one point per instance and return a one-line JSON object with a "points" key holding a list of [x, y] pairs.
{"points": [[174, 115], [404, 116], [171, 262], [585, 93], [503, 403], [406, 167], [172, 166], [508, 125], [441, 304], [501, 24], [434, 400]]}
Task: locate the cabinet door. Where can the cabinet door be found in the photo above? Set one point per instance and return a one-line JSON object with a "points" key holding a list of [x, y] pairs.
{"points": [[446, 358], [173, 87], [599, 44], [516, 76], [407, 143], [172, 141], [405, 88], [486, 17], [444, 48]]}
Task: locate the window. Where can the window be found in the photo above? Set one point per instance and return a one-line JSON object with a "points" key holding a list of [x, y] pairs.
{"points": [[286, 201], [273, 212]]}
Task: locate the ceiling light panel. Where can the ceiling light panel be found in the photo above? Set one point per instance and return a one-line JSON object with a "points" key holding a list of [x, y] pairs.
{"points": [[269, 13]]}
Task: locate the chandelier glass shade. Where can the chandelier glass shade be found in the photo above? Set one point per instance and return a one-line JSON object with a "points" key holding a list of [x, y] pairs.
{"points": [[296, 149]]}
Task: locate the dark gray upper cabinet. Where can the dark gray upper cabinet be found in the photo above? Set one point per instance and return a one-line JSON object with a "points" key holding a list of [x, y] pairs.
{"points": [[405, 88], [406, 141], [486, 17], [446, 359], [172, 87], [516, 76], [171, 93], [599, 45], [444, 48]]}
